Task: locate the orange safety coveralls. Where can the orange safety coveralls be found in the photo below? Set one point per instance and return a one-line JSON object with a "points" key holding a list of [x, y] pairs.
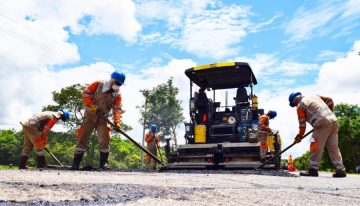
{"points": [[264, 122], [263, 134], [152, 142], [318, 111], [36, 130], [100, 94]]}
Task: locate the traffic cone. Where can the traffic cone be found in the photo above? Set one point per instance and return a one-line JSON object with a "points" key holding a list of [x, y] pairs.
{"points": [[291, 166]]}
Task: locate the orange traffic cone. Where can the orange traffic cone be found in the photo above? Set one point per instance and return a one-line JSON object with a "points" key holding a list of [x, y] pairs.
{"points": [[291, 166]]}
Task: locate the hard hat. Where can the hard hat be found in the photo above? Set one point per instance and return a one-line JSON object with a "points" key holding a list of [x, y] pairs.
{"points": [[66, 115], [153, 128], [118, 76], [291, 98], [272, 114]]}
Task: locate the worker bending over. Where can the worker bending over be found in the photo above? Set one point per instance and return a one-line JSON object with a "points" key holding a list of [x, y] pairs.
{"points": [[36, 131]]}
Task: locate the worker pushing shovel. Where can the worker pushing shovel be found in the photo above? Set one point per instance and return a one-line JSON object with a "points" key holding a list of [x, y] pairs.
{"points": [[99, 98], [153, 142], [284, 150], [318, 111]]}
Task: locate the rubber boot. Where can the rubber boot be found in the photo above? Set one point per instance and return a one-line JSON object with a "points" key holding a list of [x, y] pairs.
{"points": [[76, 161], [23, 162], [339, 173], [104, 161], [310, 173], [41, 163]]}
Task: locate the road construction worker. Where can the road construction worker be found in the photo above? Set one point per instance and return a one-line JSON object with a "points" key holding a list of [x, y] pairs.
{"points": [[99, 98], [36, 131], [264, 120], [263, 132], [318, 111], [202, 106], [152, 144]]}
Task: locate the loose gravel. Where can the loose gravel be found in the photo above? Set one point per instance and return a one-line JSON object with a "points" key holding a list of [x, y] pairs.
{"points": [[189, 187]]}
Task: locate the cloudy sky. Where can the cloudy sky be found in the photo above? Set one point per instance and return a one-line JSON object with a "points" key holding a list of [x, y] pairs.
{"points": [[308, 46]]}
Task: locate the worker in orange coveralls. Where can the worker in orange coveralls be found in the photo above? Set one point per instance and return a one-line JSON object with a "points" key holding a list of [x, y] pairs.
{"points": [[99, 98], [264, 120], [318, 111], [153, 143], [263, 132], [36, 131]]}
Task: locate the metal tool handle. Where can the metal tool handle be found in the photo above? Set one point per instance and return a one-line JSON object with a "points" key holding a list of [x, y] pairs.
{"points": [[158, 150], [277, 155], [133, 141], [53, 156]]}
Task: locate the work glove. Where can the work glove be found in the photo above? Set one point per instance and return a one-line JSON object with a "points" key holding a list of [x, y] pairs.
{"points": [[93, 108], [298, 138], [118, 125]]}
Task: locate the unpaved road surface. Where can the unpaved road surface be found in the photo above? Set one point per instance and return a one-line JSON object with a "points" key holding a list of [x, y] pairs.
{"points": [[55, 187]]}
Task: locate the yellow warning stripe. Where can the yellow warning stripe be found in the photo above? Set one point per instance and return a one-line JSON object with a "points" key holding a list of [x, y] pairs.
{"points": [[215, 65]]}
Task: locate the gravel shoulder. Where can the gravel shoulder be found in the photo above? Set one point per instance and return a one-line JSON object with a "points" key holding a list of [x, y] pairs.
{"points": [[55, 187]]}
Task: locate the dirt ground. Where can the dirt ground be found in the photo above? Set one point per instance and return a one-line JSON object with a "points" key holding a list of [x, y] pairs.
{"points": [[58, 187]]}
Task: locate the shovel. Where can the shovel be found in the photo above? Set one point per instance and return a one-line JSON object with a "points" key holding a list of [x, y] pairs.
{"points": [[158, 150], [133, 141], [53, 156]]}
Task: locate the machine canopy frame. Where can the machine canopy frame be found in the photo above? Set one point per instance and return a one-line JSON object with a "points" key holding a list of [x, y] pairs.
{"points": [[223, 75]]}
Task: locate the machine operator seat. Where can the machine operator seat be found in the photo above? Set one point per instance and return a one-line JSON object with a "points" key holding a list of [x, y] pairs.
{"points": [[242, 98]]}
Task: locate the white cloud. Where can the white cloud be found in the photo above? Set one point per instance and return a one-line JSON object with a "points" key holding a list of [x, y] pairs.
{"points": [[215, 33], [342, 76], [27, 91], [204, 28], [267, 65], [149, 78], [48, 18], [329, 55], [33, 39], [317, 20]]}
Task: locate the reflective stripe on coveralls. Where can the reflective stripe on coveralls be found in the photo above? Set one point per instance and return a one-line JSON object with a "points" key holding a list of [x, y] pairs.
{"points": [[100, 94], [316, 112], [36, 131]]}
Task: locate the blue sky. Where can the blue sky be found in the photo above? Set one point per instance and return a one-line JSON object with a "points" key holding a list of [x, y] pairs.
{"points": [[308, 46]]}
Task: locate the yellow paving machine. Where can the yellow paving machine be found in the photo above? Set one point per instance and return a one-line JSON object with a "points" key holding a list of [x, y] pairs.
{"points": [[225, 137]]}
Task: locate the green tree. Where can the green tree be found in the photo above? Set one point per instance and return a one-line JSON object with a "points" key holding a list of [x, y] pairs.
{"points": [[302, 163], [162, 108], [10, 146]]}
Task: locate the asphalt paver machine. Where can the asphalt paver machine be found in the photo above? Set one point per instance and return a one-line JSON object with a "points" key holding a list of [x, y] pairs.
{"points": [[225, 137]]}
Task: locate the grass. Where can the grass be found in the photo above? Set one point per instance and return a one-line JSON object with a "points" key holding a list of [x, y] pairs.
{"points": [[3, 167]]}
